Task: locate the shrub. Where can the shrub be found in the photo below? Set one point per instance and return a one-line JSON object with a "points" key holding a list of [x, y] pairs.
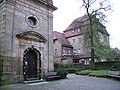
{"points": [[6, 78], [116, 67], [72, 70], [70, 65], [62, 72], [107, 65], [84, 72], [57, 65]]}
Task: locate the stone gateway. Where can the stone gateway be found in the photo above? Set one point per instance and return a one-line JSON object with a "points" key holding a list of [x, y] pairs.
{"points": [[26, 38]]}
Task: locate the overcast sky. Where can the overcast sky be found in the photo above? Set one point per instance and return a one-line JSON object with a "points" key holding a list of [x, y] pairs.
{"points": [[68, 10]]}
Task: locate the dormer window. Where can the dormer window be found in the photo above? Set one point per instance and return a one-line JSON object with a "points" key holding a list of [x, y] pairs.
{"points": [[73, 31], [78, 30]]}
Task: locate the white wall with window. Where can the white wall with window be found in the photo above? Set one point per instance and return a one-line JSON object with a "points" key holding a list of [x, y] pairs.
{"points": [[79, 51], [69, 52], [74, 52]]}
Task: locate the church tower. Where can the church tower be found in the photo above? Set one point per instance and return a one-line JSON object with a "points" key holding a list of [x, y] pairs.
{"points": [[26, 38]]}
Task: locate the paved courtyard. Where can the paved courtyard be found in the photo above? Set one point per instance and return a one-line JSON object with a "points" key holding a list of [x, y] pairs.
{"points": [[74, 82]]}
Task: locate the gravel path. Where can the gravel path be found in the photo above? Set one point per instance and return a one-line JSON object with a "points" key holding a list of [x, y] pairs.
{"points": [[74, 82]]}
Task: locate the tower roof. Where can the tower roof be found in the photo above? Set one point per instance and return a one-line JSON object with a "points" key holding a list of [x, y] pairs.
{"points": [[48, 3]]}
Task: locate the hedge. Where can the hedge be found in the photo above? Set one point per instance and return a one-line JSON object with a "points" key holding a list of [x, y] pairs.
{"points": [[72, 70], [94, 73], [62, 72], [78, 66], [107, 65]]}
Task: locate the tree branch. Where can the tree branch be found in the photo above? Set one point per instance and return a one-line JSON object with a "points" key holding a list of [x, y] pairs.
{"points": [[101, 8]]}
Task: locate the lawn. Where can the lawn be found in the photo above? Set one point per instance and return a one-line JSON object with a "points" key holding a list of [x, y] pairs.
{"points": [[97, 73]]}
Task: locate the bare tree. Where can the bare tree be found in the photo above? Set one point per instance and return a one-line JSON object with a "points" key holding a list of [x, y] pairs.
{"points": [[95, 9]]}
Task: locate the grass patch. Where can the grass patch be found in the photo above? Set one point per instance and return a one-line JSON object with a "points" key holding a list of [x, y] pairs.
{"points": [[96, 73], [72, 70], [84, 72], [99, 73]]}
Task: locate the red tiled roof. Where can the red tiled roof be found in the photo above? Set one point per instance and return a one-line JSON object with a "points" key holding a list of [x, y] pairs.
{"points": [[78, 23], [61, 38]]}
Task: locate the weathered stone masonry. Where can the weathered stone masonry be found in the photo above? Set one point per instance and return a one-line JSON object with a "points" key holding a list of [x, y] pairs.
{"points": [[13, 23]]}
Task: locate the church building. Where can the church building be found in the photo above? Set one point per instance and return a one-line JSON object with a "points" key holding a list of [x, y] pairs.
{"points": [[26, 38]]}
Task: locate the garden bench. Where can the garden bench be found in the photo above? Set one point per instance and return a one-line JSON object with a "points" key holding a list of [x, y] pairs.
{"points": [[51, 76], [114, 74]]}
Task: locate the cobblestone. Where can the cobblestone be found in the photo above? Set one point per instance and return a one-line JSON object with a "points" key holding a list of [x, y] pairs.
{"points": [[73, 82]]}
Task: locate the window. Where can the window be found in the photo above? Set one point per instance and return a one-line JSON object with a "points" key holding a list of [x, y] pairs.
{"points": [[55, 51], [78, 39], [74, 51], [78, 30], [73, 40], [86, 61], [69, 52], [105, 38], [73, 31], [64, 52], [79, 51], [75, 61], [32, 21]]}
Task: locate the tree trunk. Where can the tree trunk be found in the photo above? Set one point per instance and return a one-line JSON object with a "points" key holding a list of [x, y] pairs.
{"points": [[92, 62], [1, 70]]}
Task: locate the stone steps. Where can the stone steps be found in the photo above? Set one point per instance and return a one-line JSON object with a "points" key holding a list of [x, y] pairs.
{"points": [[33, 81]]}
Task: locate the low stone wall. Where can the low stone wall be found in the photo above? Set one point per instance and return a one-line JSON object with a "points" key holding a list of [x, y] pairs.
{"points": [[11, 70]]}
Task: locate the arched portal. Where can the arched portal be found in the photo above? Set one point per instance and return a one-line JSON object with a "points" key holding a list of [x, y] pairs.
{"points": [[31, 64]]}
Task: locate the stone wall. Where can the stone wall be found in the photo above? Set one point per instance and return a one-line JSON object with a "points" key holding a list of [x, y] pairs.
{"points": [[10, 70], [2, 26], [77, 44], [57, 51], [20, 10]]}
